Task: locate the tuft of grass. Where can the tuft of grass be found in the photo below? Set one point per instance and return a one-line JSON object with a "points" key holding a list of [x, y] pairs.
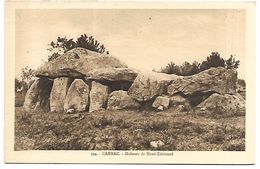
{"points": [[157, 125], [235, 145], [104, 121], [19, 98], [24, 117]]}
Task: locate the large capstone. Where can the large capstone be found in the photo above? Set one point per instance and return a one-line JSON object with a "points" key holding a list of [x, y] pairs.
{"points": [[58, 93], [147, 86], [121, 100], [77, 98], [218, 80], [77, 63], [98, 96], [104, 75], [38, 96]]}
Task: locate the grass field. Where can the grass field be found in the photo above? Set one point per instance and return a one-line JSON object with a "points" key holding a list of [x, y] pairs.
{"points": [[128, 130]]}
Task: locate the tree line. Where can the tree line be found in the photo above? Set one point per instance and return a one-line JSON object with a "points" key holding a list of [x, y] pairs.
{"points": [[187, 69]]}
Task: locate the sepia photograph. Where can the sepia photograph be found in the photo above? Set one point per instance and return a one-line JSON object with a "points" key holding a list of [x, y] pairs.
{"points": [[121, 81]]}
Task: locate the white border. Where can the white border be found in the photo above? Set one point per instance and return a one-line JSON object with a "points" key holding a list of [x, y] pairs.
{"points": [[195, 153]]}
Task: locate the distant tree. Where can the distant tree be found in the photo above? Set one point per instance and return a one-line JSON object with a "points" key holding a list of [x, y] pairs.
{"points": [[195, 68], [28, 75], [63, 45], [171, 68], [232, 63], [22, 84], [214, 60], [18, 85], [187, 69], [90, 43]]}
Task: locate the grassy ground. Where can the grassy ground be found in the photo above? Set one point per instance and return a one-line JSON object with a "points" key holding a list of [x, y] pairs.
{"points": [[128, 130]]}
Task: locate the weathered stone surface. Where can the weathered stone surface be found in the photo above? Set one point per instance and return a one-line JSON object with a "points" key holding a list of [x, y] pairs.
{"points": [[218, 80], [38, 96], [147, 86], [58, 93], [121, 100], [98, 96], [241, 88], [77, 63], [180, 102], [77, 97], [223, 104], [161, 102], [111, 74]]}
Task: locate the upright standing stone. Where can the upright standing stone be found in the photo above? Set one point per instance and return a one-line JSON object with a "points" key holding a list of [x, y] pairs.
{"points": [[98, 96], [38, 96], [77, 97], [58, 93]]}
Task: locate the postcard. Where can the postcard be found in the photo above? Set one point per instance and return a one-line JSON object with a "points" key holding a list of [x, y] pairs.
{"points": [[130, 82]]}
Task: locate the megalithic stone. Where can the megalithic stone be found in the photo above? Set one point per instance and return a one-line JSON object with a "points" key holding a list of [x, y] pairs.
{"points": [[58, 93], [77, 98], [98, 96], [37, 98]]}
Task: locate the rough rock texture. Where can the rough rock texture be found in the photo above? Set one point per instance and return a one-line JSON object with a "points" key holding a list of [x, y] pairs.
{"points": [[147, 86], [111, 74], [219, 80], [38, 96], [77, 63], [121, 100], [241, 89], [161, 102], [98, 96], [176, 100], [58, 93], [223, 104], [77, 97]]}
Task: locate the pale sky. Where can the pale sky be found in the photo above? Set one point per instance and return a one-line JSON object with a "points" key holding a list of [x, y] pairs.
{"points": [[143, 39]]}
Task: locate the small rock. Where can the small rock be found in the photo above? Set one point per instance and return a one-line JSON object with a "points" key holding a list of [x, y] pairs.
{"points": [[161, 103], [156, 144], [160, 108], [203, 109], [70, 111], [181, 107]]}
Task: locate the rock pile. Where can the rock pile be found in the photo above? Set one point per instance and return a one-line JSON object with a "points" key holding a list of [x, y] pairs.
{"points": [[82, 80]]}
